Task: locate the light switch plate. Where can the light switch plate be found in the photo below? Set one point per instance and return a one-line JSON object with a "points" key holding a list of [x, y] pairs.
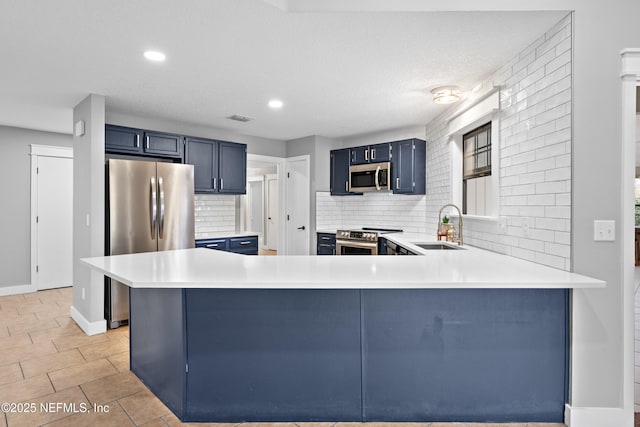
{"points": [[604, 231]]}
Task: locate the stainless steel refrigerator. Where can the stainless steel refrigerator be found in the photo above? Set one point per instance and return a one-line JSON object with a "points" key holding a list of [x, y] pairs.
{"points": [[149, 207]]}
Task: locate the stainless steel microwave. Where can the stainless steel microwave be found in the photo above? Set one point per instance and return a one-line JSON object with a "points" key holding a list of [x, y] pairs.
{"points": [[370, 177]]}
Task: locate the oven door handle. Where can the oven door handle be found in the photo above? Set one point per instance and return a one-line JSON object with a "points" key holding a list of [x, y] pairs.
{"points": [[377, 178]]}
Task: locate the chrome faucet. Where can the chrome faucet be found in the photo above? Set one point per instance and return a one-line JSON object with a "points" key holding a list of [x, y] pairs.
{"points": [[457, 239]]}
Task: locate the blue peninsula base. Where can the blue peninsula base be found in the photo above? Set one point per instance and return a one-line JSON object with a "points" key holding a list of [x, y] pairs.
{"points": [[233, 355]]}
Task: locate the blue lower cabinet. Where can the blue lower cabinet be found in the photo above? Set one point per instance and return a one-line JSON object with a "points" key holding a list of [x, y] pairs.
{"points": [[382, 246], [244, 245], [326, 244], [273, 355], [219, 244], [384, 355], [247, 245]]}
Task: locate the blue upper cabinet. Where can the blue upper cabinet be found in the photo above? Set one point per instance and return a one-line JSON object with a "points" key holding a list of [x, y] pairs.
{"points": [[408, 166], [119, 139], [339, 173], [219, 166], [163, 144], [203, 155], [370, 154], [233, 168], [131, 141]]}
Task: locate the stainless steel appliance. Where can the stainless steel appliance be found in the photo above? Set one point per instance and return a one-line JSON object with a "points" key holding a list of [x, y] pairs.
{"points": [[149, 207], [370, 177], [360, 242]]}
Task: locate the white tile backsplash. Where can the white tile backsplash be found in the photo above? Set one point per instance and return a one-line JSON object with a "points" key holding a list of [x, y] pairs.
{"points": [[384, 210], [214, 214]]}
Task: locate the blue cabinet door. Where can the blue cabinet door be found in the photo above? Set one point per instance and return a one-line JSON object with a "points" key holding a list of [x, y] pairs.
{"points": [[408, 166], [359, 155], [232, 166], [326, 244], [120, 139], [369, 154], [244, 245], [379, 152], [203, 155], [163, 144], [339, 173], [217, 244]]}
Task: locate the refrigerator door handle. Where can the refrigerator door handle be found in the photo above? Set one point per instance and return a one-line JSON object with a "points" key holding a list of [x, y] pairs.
{"points": [[153, 207], [161, 226]]}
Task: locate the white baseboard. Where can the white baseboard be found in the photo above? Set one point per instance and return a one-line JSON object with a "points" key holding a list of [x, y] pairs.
{"points": [[14, 290], [597, 417], [89, 328]]}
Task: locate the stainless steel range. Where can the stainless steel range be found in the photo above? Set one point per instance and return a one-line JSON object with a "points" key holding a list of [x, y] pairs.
{"points": [[360, 242]]}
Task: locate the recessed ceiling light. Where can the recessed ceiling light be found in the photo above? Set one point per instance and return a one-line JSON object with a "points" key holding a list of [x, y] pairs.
{"points": [[275, 103], [153, 55]]}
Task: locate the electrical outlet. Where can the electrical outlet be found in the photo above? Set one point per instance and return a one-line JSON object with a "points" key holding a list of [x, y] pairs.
{"points": [[88, 220], [83, 294], [604, 231]]}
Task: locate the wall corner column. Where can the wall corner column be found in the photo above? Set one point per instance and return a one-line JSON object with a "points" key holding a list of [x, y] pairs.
{"points": [[88, 213]]}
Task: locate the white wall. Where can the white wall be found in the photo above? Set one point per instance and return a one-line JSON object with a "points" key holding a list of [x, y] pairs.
{"points": [[15, 190]]}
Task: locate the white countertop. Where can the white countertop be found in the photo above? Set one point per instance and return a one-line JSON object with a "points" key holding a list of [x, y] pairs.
{"points": [[206, 268]]}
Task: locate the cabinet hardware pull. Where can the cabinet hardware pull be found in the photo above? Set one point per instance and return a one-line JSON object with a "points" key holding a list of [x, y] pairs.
{"points": [[146, 138], [213, 180], [137, 141], [245, 243], [213, 245], [346, 186], [221, 184], [373, 154], [366, 155], [397, 183]]}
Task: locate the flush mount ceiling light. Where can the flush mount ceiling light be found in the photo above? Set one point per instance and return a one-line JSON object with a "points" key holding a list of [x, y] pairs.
{"points": [[153, 55], [275, 103], [446, 94]]}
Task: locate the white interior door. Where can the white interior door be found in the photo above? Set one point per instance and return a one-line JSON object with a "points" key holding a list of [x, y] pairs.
{"points": [[273, 217], [52, 209], [298, 209]]}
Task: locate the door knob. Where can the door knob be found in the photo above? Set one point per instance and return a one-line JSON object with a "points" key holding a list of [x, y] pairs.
{"points": [[301, 228]]}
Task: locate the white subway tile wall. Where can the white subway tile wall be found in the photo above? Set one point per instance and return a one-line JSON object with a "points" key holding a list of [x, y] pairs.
{"points": [[384, 210], [535, 156], [214, 214]]}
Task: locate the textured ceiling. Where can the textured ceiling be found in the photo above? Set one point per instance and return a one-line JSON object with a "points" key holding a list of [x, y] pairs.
{"points": [[338, 74]]}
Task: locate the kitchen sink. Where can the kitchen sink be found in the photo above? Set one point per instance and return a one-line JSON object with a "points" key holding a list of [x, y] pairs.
{"points": [[437, 246]]}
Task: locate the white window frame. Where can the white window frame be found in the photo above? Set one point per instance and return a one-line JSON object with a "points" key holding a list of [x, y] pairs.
{"points": [[485, 110]]}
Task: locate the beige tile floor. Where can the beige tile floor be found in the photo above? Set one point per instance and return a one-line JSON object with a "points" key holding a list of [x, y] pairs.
{"points": [[49, 368]]}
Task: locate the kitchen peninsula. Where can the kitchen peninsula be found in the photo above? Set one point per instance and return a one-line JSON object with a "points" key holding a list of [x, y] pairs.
{"points": [[466, 335]]}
